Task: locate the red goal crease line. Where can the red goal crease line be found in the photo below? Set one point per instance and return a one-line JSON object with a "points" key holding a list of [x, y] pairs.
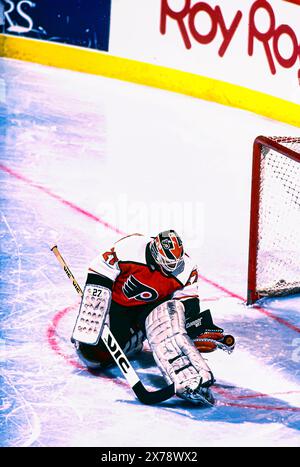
{"points": [[105, 224]]}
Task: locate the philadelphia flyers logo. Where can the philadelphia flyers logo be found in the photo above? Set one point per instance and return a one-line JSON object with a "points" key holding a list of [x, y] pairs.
{"points": [[138, 291]]}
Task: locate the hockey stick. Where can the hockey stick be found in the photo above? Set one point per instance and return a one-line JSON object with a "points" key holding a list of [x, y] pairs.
{"points": [[144, 396]]}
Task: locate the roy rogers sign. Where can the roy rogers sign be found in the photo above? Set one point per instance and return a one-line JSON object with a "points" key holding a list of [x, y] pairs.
{"points": [[271, 35]]}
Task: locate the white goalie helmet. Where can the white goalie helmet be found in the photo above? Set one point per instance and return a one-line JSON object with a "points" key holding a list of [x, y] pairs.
{"points": [[167, 251]]}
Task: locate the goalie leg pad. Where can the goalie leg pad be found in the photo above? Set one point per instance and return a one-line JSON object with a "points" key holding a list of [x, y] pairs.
{"points": [[97, 357], [93, 357], [175, 353]]}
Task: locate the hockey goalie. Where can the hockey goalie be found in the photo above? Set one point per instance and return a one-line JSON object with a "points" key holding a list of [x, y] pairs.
{"points": [[146, 288]]}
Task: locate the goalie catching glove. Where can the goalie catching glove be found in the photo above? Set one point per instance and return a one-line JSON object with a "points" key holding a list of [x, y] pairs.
{"points": [[206, 335]]}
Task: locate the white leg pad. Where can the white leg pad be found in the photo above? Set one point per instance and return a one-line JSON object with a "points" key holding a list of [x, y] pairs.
{"points": [[174, 352]]}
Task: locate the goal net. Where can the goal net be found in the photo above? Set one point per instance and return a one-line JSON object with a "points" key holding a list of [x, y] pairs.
{"points": [[274, 247]]}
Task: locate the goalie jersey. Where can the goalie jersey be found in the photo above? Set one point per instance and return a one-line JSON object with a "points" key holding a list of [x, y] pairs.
{"points": [[136, 278]]}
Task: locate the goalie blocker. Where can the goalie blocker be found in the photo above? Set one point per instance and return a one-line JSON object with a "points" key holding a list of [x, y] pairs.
{"points": [[95, 305]]}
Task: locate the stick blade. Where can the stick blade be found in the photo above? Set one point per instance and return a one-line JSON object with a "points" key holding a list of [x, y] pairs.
{"points": [[154, 397]]}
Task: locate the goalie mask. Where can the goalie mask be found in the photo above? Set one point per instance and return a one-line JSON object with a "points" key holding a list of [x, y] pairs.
{"points": [[167, 251]]}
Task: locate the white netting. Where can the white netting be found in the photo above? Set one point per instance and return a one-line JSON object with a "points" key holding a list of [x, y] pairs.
{"points": [[278, 256]]}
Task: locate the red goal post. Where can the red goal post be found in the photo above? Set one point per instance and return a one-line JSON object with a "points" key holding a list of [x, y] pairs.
{"points": [[274, 244]]}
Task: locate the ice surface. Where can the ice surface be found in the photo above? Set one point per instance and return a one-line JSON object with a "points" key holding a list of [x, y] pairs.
{"points": [[84, 158]]}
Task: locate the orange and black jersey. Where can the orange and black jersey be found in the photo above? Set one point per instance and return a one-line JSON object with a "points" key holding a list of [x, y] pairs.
{"points": [[136, 280]]}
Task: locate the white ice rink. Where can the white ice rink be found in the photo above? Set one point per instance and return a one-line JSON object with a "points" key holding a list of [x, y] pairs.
{"points": [[83, 160]]}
